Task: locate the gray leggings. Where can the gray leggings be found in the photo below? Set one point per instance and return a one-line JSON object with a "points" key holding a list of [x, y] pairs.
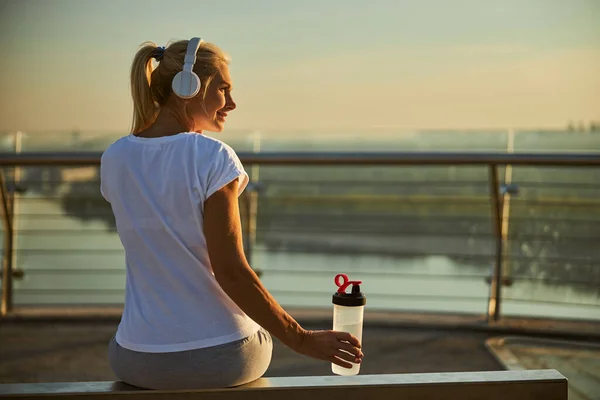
{"points": [[226, 365]]}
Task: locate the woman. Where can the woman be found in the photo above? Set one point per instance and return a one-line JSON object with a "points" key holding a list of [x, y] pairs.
{"points": [[196, 315]]}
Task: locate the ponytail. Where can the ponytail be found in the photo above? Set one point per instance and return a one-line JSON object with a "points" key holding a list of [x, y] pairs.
{"points": [[145, 108]]}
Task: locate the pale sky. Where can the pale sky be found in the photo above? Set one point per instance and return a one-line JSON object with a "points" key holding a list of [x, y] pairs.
{"points": [[312, 64]]}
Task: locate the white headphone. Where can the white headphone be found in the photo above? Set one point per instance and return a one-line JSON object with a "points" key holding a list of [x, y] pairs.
{"points": [[186, 83]]}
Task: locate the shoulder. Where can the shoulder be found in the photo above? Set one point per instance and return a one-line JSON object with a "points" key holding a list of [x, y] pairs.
{"points": [[215, 147], [113, 149], [211, 142]]}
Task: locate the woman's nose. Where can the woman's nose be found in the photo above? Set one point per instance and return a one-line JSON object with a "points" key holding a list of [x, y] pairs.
{"points": [[230, 105]]}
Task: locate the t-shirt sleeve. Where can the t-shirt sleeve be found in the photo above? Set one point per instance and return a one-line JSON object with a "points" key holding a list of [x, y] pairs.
{"points": [[226, 167], [103, 192], [102, 171]]}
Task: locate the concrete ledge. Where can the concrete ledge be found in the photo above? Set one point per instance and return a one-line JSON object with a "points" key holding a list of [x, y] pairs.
{"points": [[495, 385]]}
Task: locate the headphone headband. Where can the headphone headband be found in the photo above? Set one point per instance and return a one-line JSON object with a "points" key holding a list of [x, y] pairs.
{"points": [[190, 55]]}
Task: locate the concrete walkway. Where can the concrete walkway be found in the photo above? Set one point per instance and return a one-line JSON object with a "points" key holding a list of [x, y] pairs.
{"points": [[579, 362], [76, 351]]}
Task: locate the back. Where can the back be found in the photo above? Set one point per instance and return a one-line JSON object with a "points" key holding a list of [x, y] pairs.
{"points": [[157, 188]]}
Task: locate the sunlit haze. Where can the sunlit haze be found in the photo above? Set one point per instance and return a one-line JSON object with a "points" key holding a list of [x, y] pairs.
{"points": [[336, 64]]}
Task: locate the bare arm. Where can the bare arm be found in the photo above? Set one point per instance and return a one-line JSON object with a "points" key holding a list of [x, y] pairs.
{"points": [[222, 228]]}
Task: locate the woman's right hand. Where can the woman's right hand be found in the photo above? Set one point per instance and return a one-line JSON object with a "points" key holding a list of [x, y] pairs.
{"points": [[333, 346]]}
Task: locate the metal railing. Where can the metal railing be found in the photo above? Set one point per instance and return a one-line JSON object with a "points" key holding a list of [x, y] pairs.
{"points": [[499, 193]]}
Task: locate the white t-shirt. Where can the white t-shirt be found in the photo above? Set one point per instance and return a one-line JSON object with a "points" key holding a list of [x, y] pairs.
{"points": [[157, 188]]}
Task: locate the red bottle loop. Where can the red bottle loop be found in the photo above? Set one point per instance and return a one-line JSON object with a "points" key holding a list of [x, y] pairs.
{"points": [[344, 283]]}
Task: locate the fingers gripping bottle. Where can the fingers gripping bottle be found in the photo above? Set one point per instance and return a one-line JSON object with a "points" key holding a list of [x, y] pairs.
{"points": [[348, 312]]}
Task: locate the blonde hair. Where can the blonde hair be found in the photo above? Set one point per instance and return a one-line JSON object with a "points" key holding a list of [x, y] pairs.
{"points": [[151, 88]]}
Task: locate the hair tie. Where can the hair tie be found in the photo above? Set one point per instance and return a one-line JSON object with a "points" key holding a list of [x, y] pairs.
{"points": [[158, 53]]}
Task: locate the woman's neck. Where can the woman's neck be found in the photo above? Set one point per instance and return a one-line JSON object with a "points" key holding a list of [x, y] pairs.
{"points": [[166, 124]]}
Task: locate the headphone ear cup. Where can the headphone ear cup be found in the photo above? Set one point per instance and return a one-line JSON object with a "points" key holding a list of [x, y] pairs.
{"points": [[186, 84]]}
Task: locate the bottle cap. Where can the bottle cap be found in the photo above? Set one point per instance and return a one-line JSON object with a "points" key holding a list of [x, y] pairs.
{"points": [[353, 299]]}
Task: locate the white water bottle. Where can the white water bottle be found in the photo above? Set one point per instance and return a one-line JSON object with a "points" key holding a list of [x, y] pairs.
{"points": [[348, 312]]}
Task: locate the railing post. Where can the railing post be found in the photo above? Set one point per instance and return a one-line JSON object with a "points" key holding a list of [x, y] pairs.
{"points": [[252, 217], [505, 214], [250, 203], [7, 257], [493, 312]]}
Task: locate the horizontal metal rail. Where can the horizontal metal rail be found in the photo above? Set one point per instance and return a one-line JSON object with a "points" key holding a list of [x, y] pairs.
{"points": [[338, 158]]}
